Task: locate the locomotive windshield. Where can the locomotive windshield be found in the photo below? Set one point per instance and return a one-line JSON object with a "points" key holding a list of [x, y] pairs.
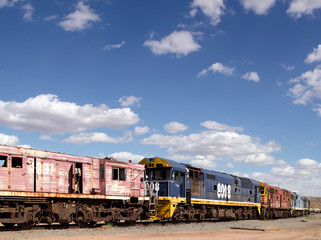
{"points": [[159, 173]]}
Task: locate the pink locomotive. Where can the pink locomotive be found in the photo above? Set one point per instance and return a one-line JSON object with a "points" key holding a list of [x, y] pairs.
{"points": [[42, 186]]}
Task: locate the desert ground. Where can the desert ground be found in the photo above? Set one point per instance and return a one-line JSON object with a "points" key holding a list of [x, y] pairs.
{"points": [[308, 228]]}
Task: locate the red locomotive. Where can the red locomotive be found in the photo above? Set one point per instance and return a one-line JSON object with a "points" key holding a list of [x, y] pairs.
{"points": [[276, 202], [42, 186]]}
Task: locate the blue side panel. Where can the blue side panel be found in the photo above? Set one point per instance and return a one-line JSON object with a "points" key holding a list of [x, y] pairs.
{"points": [[218, 186], [298, 201], [163, 188], [174, 189]]}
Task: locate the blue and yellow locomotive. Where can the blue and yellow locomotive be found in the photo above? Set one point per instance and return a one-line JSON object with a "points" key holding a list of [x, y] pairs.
{"points": [[186, 193]]}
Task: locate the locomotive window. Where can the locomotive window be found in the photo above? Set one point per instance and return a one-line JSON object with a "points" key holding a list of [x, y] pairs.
{"points": [[115, 173], [250, 192], [210, 177], [202, 176], [196, 175], [122, 174], [102, 171], [163, 174], [235, 190], [176, 176], [215, 187], [236, 181], [3, 161], [262, 190], [119, 174], [16, 162]]}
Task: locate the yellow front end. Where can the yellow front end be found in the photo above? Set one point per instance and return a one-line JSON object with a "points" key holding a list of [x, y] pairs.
{"points": [[264, 195], [166, 207]]}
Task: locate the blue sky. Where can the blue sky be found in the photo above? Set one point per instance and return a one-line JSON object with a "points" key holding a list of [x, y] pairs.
{"points": [[233, 86]]}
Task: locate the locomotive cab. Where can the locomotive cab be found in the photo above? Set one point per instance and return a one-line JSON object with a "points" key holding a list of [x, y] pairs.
{"points": [[165, 177]]}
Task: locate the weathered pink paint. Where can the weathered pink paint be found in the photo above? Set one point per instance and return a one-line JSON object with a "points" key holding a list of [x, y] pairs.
{"points": [[45, 173]]}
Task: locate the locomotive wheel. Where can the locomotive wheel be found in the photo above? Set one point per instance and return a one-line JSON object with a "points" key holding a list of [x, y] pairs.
{"points": [[29, 222], [8, 225], [80, 222], [92, 223], [26, 225]]}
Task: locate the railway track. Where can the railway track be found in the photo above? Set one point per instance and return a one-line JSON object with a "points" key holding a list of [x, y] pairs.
{"points": [[57, 226]]}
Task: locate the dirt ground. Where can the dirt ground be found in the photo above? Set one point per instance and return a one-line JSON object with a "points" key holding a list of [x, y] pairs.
{"points": [[299, 228]]}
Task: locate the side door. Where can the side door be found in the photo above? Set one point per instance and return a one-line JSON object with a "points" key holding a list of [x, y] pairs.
{"points": [[182, 185], [4, 172], [18, 173]]}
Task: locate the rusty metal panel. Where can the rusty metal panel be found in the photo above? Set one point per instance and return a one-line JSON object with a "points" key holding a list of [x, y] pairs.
{"points": [[87, 178], [64, 177], [116, 187], [137, 186], [18, 173], [196, 187], [4, 173], [53, 174]]}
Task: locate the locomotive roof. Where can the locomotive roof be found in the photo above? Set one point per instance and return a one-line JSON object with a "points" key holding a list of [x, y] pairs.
{"points": [[157, 161], [30, 152], [221, 175]]}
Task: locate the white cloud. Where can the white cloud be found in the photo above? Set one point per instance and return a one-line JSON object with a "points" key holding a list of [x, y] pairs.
{"points": [[303, 7], [46, 113], [8, 139], [317, 109], [203, 162], [258, 159], [218, 145], [307, 87], [126, 156], [47, 138], [113, 46], [97, 137], [315, 56], [309, 164], [175, 127], [251, 76], [219, 126], [230, 165], [28, 11], [179, 43], [25, 146], [50, 18], [303, 177], [80, 19], [287, 67], [3, 3], [258, 6], [211, 8], [7, 3], [127, 101], [217, 68], [141, 130]]}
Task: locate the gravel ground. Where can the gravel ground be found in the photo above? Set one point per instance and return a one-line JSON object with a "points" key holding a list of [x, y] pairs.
{"points": [[312, 222]]}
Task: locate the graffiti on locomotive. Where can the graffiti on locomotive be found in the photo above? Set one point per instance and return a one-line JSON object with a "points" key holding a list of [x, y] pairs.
{"points": [[223, 190], [153, 187]]}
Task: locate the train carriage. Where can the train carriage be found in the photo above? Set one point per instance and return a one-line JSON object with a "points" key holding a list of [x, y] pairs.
{"points": [[189, 193], [300, 205], [276, 202], [42, 186]]}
